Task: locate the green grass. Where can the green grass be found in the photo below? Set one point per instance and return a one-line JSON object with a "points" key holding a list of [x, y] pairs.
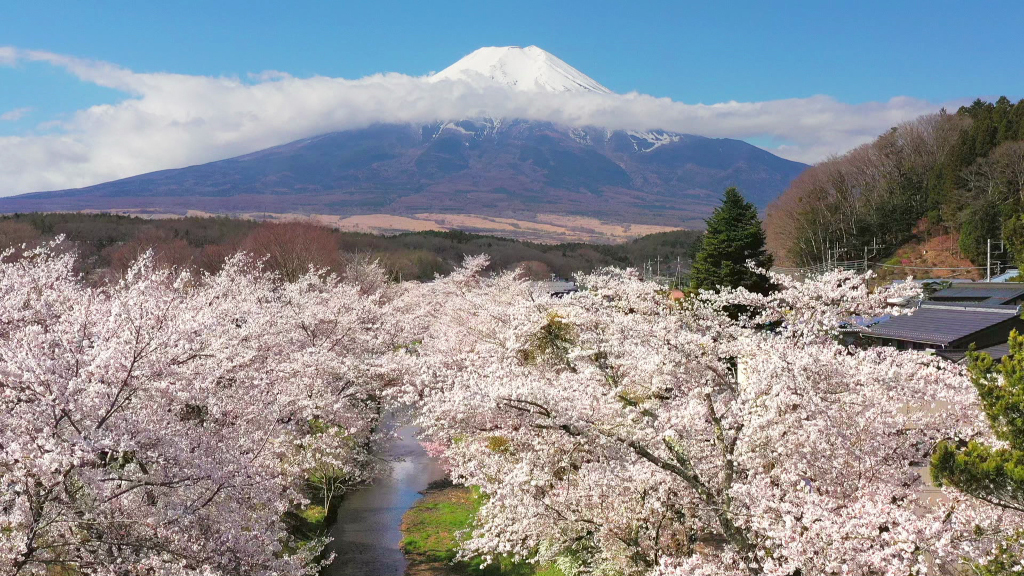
{"points": [[314, 514], [306, 525], [894, 261], [432, 528]]}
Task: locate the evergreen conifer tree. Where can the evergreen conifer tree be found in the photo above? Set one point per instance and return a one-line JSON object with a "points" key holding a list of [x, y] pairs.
{"points": [[734, 237], [992, 473]]}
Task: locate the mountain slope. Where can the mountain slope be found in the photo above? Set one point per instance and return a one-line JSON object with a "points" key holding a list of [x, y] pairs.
{"points": [[509, 169]]}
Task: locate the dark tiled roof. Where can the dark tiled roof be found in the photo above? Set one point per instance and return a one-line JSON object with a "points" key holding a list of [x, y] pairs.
{"points": [[1008, 308], [988, 292], [952, 355], [997, 351], [941, 324]]}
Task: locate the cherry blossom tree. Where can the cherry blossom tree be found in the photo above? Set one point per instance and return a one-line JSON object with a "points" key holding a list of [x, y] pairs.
{"points": [[164, 424], [616, 432]]}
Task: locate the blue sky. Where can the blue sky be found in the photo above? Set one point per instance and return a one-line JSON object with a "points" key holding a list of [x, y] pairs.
{"points": [[857, 53], [689, 51]]}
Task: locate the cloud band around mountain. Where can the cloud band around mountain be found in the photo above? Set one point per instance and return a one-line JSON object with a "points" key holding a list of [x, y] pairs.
{"points": [[172, 120]]}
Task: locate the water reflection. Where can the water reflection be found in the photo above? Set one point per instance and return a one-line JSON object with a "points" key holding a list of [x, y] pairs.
{"points": [[368, 530]]}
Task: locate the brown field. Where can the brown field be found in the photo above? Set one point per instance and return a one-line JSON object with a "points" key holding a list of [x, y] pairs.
{"points": [[546, 228]]}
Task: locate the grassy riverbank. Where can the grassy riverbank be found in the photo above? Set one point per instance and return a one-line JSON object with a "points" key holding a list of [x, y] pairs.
{"points": [[308, 525], [430, 542]]}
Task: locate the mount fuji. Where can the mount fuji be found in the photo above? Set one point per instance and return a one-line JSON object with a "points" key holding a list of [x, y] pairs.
{"points": [[527, 69], [512, 176]]}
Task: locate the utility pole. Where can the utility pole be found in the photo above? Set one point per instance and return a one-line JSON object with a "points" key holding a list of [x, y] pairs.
{"points": [[988, 262], [865, 258]]}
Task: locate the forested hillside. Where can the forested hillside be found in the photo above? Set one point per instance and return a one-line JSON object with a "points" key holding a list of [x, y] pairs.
{"points": [[959, 173], [108, 244]]}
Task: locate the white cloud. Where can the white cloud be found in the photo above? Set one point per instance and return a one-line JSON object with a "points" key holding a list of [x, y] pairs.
{"points": [[8, 56], [172, 120], [15, 115], [269, 75]]}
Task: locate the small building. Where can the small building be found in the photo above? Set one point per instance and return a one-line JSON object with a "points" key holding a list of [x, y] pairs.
{"points": [[998, 293], [1007, 276], [977, 313], [948, 327], [998, 351], [556, 287], [960, 356]]}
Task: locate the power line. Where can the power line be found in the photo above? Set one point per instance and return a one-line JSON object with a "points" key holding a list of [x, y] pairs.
{"points": [[832, 261], [931, 267]]}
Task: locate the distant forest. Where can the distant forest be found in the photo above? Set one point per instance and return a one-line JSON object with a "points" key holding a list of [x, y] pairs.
{"points": [[963, 172], [107, 245]]}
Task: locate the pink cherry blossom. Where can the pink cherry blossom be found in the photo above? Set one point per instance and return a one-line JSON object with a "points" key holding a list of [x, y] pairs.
{"points": [[165, 423], [625, 433]]}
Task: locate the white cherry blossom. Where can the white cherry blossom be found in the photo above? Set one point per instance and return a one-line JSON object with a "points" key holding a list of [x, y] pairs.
{"points": [[165, 424], [730, 433]]}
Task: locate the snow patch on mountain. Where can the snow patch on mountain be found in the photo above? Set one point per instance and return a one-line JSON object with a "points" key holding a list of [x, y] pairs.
{"points": [[457, 128], [580, 136], [475, 127], [643, 141], [647, 141], [529, 69]]}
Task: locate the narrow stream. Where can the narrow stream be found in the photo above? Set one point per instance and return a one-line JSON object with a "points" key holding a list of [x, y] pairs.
{"points": [[368, 532]]}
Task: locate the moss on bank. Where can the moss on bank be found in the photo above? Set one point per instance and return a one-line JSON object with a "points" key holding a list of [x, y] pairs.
{"points": [[431, 532]]}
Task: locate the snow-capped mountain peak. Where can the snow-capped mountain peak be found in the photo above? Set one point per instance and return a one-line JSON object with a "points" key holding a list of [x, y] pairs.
{"points": [[528, 69]]}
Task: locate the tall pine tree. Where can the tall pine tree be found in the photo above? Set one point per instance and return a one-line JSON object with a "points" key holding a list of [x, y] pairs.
{"points": [[734, 237]]}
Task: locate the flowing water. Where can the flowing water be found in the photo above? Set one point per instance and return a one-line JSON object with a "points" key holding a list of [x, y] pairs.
{"points": [[368, 532]]}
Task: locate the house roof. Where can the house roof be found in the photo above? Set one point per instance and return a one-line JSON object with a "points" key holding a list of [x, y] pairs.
{"points": [[941, 324], [969, 306], [981, 292], [996, 352], [1005, 276], [555, 287]]}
